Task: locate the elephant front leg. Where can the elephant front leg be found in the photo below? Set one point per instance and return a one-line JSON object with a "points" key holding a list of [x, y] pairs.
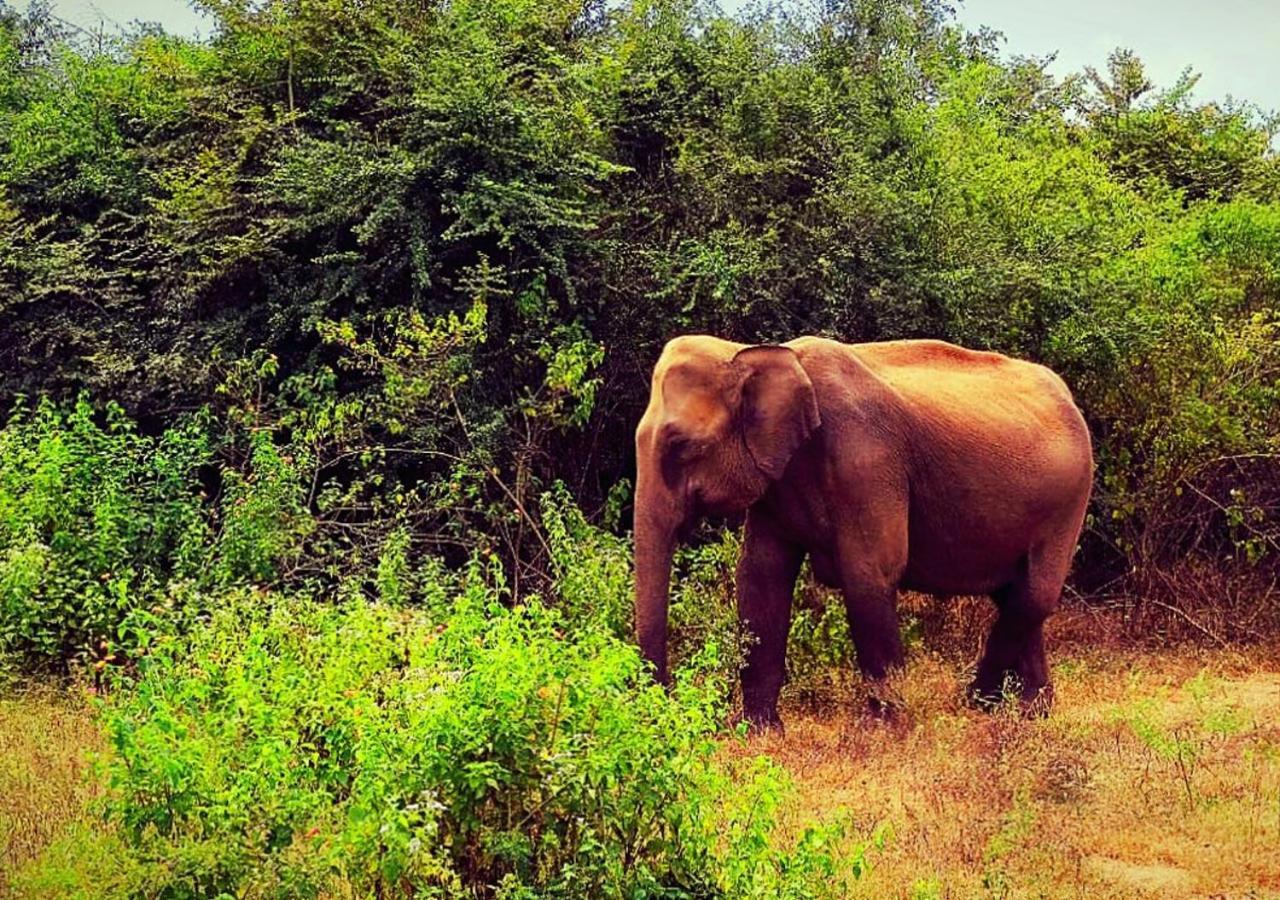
{"points": [[766, 580]]}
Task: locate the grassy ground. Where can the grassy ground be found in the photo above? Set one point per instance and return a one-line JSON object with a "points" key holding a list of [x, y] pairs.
{"points": [[1157, 775], [46, 739]]}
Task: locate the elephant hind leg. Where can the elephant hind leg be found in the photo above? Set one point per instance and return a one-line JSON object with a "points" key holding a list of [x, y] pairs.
{"points": [[1014, 655]]}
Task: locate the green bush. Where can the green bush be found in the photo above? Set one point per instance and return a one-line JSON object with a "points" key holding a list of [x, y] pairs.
{"points": [[103, 528], [96, 521], [291, 747], [820, 654]]}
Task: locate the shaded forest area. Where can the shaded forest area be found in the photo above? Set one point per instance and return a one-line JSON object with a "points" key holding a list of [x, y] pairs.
{"points": [[430, 251], [323, 342]]}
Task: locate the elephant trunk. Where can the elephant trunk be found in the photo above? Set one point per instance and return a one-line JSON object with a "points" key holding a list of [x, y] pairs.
{"points": [[657, 520]]}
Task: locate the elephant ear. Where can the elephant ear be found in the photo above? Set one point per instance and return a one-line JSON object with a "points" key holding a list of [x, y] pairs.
{"points": [[779, 410]]}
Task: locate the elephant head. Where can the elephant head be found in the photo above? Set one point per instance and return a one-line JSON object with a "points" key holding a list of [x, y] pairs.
{"points": [[723, 422]]}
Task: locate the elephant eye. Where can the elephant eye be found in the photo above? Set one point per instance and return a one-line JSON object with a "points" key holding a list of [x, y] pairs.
{"points": [[678, 451], [682, 447]]}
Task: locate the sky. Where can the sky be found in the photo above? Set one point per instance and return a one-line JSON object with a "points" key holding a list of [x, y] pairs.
{"points": [[1234, 44], [175, 15]]}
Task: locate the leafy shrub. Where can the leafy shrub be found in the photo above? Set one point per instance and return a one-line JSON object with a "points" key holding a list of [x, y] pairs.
{"points": [[592, 567], [96, 520], [1178, 363], [264, 518], [103, 528], [820, 655], [703, 610], [297, 747]]}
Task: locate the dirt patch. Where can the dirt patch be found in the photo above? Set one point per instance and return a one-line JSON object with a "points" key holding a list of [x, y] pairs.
{"points": [[1165, 881]]}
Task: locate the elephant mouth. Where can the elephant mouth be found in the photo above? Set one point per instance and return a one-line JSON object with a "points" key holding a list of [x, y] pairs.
{"points": [[699, 509], [714, 518]]}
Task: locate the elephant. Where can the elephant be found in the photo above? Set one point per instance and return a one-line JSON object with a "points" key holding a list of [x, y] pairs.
{"points": [[913, 464]]}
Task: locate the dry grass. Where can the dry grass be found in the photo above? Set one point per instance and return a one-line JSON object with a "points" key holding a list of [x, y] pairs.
{"points": [[45, 737], [1157, 775]]}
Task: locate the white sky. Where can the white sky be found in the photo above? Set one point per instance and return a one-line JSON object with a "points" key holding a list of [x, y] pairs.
{"points": [[1234, 44], [175, 15]]}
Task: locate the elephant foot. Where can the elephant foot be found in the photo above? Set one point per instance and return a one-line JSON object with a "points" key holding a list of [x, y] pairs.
{"points": [[1033, 702], [1037, 703], [883, 710], [987, 697], [883, 703]]}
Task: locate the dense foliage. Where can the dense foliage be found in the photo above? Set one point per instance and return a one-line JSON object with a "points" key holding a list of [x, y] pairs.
{"points": [[321, 186], [100, 524], [296, 749]]}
